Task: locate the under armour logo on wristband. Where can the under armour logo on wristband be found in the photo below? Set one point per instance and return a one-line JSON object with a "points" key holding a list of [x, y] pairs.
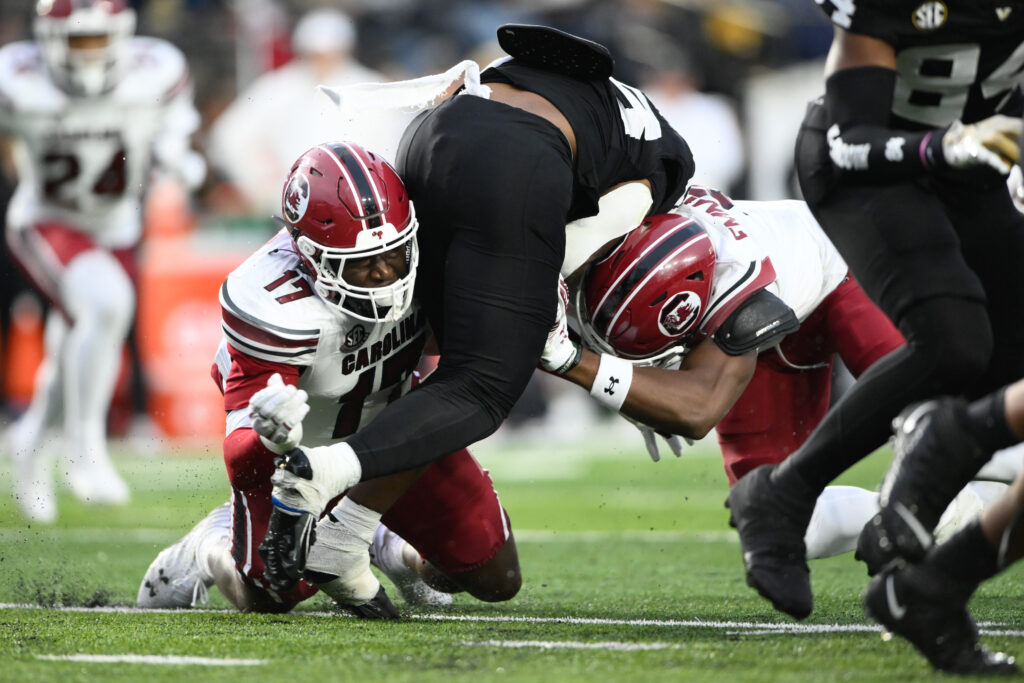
{"points": [[610, 389]]}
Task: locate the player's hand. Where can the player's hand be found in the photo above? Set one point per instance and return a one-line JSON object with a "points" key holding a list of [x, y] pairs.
{"points": [[992, 142], [561, 354], [675, 443], [276, 412]]}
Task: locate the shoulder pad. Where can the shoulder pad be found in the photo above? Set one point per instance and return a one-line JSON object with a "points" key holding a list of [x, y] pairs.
{"points": [[543, 47], [156, 70], [269, 309], [759, 322], [25, 85]]}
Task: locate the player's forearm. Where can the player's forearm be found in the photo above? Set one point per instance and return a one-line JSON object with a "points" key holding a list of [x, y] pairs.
{"points": [[668, 400], [249, 463], [861, 143]]}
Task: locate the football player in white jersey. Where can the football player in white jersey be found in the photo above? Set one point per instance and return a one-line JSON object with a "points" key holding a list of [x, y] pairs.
{"points": [[320, 333], [92, 111], [718, 290]]}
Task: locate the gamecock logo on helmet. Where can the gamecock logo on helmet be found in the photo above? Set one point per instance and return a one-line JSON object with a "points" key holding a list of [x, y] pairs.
{"points": [[296, 198], [679, 314]]}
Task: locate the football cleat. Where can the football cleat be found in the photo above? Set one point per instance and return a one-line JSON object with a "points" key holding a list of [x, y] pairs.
{"points": [[175, 579], [935, 457], [94, 481], [929, 610], [34, 489], [285, 546], [386, 555], [380, 607], [771, 522]]}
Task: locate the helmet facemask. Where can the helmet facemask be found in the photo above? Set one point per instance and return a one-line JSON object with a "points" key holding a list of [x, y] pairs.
{"points": [[386, 303], [84, 51]]}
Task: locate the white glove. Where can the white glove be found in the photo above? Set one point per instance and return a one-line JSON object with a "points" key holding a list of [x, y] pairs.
{"points": [[560, 353], [276, 412], [675, 443], [990, 142]]}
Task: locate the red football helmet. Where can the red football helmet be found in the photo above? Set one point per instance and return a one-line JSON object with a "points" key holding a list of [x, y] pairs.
{"points": [[344, 202], [644, 301], [93, 67]]}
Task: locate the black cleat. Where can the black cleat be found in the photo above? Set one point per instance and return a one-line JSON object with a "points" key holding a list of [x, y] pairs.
{"points": [[379, 607], [285, 546], [936, 456], [771, 523], [930, 610]]}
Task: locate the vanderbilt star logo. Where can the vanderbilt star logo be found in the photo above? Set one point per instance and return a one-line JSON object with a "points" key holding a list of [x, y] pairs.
{"points": [[1003, 12], [610, 389]]}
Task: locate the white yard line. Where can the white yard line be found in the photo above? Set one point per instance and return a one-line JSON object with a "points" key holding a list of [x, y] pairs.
{"points": [[117, 536], [571, 645], [173, 660], [730, 627]]}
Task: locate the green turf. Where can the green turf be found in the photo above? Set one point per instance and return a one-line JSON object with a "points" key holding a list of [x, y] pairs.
{"points": [[603, 534]]}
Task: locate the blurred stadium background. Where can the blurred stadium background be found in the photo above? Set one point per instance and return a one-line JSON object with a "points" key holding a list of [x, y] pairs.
{"points": [[732, 75]]}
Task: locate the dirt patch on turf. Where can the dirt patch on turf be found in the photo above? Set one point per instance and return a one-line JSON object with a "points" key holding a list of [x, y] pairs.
{"points": [[52, 593]]}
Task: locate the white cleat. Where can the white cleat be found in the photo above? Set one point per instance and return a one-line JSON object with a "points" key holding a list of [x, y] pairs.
{"points": [[176, 579], [386, 555], [34, 489], [96, 482]]}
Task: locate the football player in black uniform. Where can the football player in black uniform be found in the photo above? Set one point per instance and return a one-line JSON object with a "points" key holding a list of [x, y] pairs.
{"points": [[926, 602], [903, 162], [494, 183]]}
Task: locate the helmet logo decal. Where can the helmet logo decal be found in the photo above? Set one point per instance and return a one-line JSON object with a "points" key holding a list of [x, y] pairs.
{"points": [[679, 314], [296, 198]]}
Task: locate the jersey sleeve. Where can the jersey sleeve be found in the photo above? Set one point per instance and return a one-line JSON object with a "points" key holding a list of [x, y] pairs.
{"points": [[172, 147], [875, 18]]}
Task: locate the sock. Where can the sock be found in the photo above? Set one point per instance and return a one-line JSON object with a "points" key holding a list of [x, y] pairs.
{"points": [[967, 557], [839, 515], [986, 419], [209, 552]]}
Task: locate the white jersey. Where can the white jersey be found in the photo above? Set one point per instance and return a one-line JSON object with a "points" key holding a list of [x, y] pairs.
{"points": [[85, 161], [776, 246], [350, 368]]}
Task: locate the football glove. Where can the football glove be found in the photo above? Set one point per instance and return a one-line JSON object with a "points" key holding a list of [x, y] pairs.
{"points": [[561, 354], [675, 443], [276, 412], [992, 142]]}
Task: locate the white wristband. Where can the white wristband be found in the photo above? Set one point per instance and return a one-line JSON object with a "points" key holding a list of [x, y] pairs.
{"points": [[614, 375]]}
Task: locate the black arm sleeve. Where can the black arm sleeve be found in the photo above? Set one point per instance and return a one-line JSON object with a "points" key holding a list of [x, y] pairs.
{"points": [[861, 144]]}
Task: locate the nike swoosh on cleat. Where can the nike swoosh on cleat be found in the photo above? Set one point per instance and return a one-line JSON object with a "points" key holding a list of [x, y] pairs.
{"points": [[897, 610], [923, 537]]}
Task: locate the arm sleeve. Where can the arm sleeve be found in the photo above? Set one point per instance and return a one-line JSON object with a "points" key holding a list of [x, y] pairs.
{"points": [[861, 144], [249, 463]]}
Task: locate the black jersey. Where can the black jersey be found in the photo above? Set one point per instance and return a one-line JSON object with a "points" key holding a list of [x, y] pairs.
{"points": [[620, 135], [955, 59]]}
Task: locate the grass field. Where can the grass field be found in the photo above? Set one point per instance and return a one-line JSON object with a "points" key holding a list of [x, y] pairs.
{"points": [[631, 573]]}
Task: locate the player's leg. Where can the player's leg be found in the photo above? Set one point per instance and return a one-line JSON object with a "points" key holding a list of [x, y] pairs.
{"points": [[33, 463], [927, 602], [900, 245], [461, 534], [99, 299], [499, 202]]}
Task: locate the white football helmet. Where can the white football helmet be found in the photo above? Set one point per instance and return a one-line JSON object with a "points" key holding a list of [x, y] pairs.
{"points": [[78, 65]]}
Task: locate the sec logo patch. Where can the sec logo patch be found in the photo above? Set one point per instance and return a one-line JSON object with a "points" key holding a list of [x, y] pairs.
{"points": [[930, 16]]}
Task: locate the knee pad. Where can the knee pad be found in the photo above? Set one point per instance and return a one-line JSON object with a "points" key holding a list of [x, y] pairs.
{"points": [[96, 288]]}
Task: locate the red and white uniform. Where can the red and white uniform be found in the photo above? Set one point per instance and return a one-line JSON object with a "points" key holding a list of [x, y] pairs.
{"points": [[273, 321], [779, 246], [84, 162]]}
